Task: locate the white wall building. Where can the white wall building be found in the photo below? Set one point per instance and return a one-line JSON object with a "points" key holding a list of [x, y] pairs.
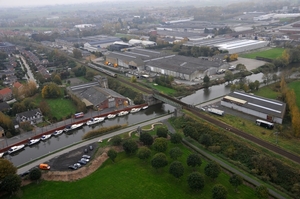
{"points": [[239, 46]]}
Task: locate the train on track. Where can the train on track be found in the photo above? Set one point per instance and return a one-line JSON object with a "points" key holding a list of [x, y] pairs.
{"points": [[107, 72]]}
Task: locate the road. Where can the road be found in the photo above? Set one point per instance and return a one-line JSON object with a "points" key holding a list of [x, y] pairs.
{"points": [[29, 72], [53, 154]]}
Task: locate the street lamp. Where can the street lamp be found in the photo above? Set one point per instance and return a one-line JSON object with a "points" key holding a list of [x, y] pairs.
{"points": [[276, 134]]}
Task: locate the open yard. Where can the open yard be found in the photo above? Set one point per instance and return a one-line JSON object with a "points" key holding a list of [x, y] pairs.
{"points": [[59, 107], [270, 54]]}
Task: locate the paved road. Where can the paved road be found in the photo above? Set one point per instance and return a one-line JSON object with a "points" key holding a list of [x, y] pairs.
{"points": [[81, 144]]}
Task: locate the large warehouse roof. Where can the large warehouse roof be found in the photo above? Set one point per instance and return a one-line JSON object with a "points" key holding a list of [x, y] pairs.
{"points": [[260, 104], [239, 44]]}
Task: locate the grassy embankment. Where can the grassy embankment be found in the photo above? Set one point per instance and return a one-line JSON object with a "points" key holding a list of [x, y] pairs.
{"points": [[270, 54], [131, 177]]}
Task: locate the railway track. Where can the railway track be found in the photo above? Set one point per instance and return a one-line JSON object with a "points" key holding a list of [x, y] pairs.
{"points": [[236, 131]]}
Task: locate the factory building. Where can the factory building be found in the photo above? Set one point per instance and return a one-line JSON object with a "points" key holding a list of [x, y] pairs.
{"points": [[263, 108]]}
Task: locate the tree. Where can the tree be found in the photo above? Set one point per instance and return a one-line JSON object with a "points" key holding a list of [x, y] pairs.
{"points": [[6, 168], [175, 153], [77, 53], [262, 192], [44, 107], [112, 154], [212, 170], [219, 192], [29, 89], [205, 139], [11, 183], [116, 140], [57, 80], [146, 138], [235, 180], [35, 174], [194, 160], [196, 181], [160, 144], [228, 76], [206, 80], [51, 90], [162, 132], [176, 169], [144, 153], [176, 138], [130, 146], [159, 160], [133, 79]]}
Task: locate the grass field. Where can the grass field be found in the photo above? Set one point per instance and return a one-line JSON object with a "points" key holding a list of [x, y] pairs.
{"points": [[130, 177], [162, 89], [59, 107], [296, 87], [267, 92], [270, 54]]}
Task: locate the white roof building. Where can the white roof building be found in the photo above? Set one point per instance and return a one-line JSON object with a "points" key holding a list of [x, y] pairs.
{"points": [[238, 46]]}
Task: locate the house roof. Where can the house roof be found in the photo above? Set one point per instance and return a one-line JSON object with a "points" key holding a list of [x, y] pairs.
{"points": [[5, 91], [4, 106], [31, 113], [17, 85]]}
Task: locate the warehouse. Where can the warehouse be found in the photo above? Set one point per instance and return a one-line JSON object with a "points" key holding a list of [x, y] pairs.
{"points": [[242, 45], [264, 108]]}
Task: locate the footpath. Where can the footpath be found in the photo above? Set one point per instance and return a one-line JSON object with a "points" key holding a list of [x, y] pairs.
{"points": [[222, 164]]}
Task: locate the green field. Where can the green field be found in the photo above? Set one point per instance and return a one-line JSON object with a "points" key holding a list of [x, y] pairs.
{"points": [[162, 89], [270, 54], [60, 107], [267, 92], [296, 87], [130, 177]]}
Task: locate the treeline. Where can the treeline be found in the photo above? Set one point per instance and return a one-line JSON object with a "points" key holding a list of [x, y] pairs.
{"points": [[127, 92], [289, 96], [243, 155]]}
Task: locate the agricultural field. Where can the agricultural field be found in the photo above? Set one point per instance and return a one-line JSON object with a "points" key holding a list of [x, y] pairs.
{"points": [[130, 177], [270, 54]]}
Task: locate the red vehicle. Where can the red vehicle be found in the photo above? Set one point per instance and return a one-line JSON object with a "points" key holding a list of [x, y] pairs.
{"points": [[79, 115]]}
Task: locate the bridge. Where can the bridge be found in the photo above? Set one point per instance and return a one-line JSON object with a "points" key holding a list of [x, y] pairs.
{"points": [[168, 100]]}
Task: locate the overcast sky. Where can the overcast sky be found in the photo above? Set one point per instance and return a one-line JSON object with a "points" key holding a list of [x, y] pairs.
{"points": [[15, 3]]}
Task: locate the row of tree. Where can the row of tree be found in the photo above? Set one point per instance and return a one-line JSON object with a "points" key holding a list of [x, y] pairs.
{"points": [[265, 167], [288, 95]]}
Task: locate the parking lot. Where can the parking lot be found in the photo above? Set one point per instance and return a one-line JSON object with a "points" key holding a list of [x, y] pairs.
{"points": [[62, 162]]}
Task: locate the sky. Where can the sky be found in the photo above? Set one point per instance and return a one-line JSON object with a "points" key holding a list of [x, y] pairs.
{"points": [[16, 3]]}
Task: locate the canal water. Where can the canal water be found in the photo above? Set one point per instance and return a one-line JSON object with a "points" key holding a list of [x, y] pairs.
{"points": [[55, 143]]}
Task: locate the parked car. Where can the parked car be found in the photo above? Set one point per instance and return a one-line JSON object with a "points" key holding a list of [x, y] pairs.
{"points": [[78, 165], [44, 166], [86, 156], [85, 150], [91, 147], [73, 167], [82, 162], [85, 159]]}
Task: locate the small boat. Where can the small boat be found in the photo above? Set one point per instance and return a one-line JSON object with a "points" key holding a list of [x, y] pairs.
{"points": [[145, 107], [111, 116], [58, 132], [134, 110], [75, 126], [1, 155], [45, 137], [95, 120], [122, 113], [15, 148], [33, 141]]}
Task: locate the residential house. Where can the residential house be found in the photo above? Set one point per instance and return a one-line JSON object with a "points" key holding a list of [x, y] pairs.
{"points": [[5, 94], [32, 116]]}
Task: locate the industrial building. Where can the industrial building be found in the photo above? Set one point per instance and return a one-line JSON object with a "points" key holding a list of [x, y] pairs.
{"points": [[242, 46], [99, 42], [97, 97], [150, 61], [260, 107], [231, 44]]}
